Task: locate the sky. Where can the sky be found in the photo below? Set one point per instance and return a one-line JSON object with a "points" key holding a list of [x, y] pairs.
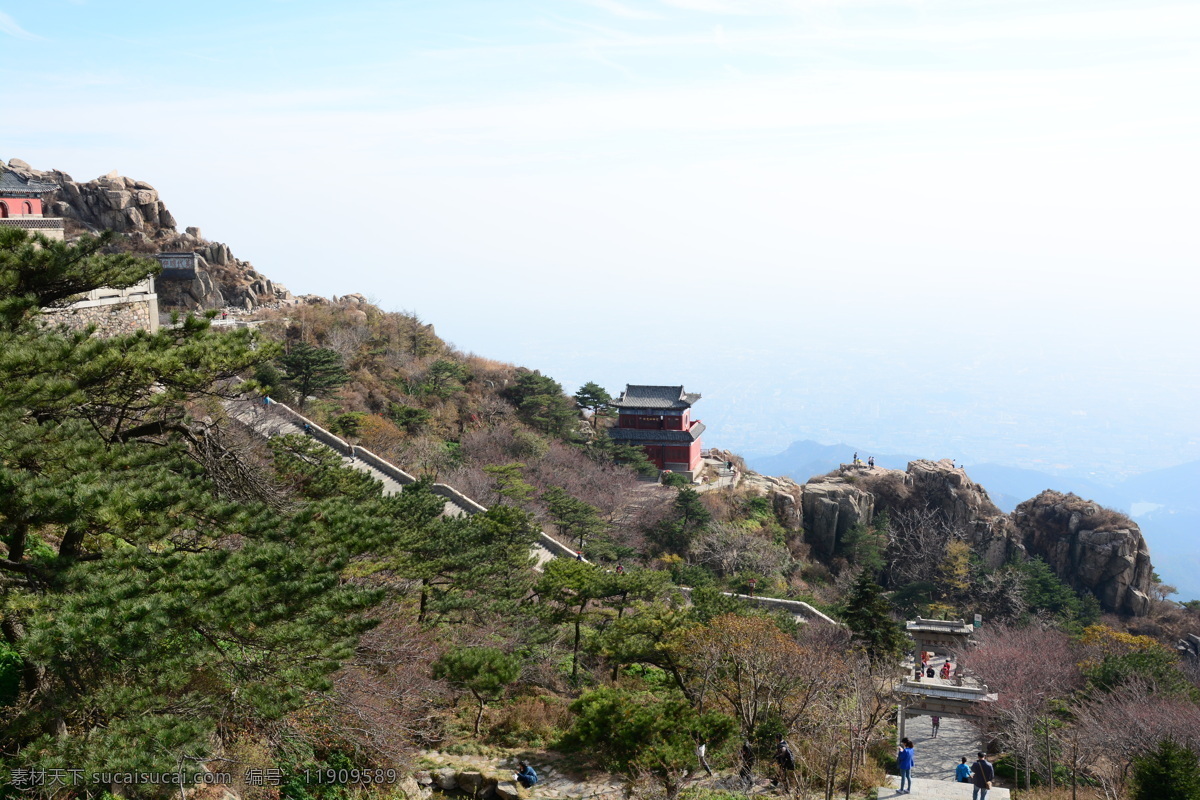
{"points": [[955, 228]]}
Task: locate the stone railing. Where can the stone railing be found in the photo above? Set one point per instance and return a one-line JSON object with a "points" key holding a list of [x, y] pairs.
{"points": [[457, 498], [470, 507], [33, 223], [798, 608]]}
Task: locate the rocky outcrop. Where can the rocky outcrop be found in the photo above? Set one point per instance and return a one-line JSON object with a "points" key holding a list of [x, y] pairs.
{"points": [[943, 488], [831, 508], [1091, 548], [133, 208], [110, 202], [784, 493]]}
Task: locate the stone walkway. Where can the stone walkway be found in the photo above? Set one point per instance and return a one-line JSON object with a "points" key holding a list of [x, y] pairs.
{"points": [[555, 782], [272, 420], [937, 758], [925, 789], [560, 782]]}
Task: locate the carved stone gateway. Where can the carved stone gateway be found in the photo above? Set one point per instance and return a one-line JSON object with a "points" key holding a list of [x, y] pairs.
{"points": [[953, 697]]}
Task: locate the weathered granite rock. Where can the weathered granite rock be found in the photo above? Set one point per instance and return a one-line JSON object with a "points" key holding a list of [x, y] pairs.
{"points": [[470, 782], [408, 787], [787, 509], [446, 779], [507, 790], [831, 507], [1089, 547], [133, 207]]}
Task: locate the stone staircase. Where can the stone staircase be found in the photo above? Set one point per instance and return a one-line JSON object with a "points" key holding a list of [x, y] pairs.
{"points": [[927, 789], [275, 419]]}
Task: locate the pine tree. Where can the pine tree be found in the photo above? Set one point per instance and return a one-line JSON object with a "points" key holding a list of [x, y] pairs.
{"points": [[541, 404], [578, 521], [312, 370], [156, 588], [483, 671], [869, 616], [1170, 771], [595, 398]]}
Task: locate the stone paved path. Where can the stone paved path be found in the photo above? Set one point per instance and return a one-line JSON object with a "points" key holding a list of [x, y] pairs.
{"points": [[925, 789], [937, 758], [560, 782]]}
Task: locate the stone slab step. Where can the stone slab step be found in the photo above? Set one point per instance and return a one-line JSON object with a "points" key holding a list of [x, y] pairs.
{"points": [[927, 789]]}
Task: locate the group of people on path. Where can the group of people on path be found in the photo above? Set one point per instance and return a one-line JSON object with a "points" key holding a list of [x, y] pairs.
{"points": [[980, 774], [925, 669]]}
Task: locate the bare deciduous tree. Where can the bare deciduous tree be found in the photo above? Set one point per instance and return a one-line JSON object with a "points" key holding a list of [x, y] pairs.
{"points": [[728, 549], [1028, 668]]}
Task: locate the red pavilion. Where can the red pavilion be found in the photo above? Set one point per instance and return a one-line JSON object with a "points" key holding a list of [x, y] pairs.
{"points": [[658, 419]]}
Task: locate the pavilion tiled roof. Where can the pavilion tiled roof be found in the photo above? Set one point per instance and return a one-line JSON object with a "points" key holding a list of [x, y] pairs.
{"points": [[11, 183], [635, 434], [638, 396]]}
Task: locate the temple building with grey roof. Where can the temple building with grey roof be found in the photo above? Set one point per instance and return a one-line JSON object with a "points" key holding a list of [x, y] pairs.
{"points": [[658, 419]]}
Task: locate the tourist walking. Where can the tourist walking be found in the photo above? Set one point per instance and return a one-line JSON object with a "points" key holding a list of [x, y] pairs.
{"points": [[905, 758], [962, 773], [701, 756], [786, 763], [746, 770], [937, 721], [982, 775]]}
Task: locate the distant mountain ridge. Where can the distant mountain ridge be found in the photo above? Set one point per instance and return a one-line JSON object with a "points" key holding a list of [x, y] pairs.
{"points": [[1171, 530]]}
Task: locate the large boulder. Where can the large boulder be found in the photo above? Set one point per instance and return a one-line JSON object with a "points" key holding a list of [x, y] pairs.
{"points": [[446, 779], [1089, 547], [507, 790], [830, 508]]}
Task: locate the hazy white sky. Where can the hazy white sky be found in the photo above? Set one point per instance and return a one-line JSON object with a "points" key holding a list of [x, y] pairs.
{"points": [[851, 200]]}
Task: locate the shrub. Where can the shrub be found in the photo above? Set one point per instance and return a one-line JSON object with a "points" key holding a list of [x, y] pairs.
{"points": [[675, 480], [1168, 772], [530, 722]]}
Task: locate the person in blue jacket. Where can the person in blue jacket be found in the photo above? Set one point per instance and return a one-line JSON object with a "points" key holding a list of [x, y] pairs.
{"points": [[525, 775], [904, 761], [962, 773]]}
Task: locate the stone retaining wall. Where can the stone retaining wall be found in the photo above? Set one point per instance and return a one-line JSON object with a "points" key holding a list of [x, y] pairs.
{"points": [[110, 319]]}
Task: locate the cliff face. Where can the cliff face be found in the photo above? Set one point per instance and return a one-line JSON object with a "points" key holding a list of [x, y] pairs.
{"points": [[1090, 548], [133, 208]]}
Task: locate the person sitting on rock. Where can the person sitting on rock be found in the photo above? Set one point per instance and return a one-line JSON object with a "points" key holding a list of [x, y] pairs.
{"points": [[525, 775]]}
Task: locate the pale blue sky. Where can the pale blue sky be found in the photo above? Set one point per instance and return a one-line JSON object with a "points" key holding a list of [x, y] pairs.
{"points": [[824, 215]]}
